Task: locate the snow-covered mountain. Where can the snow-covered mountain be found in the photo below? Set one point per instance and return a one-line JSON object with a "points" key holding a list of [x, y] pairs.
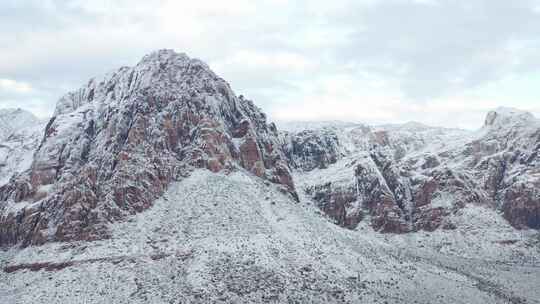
{"points": [[15, 120], [412, 177], [114, 146], [157, 184], [20, 135]]}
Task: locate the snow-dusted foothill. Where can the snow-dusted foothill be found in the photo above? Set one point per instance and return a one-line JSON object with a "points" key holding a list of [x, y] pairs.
{"points": [[232, 238]]}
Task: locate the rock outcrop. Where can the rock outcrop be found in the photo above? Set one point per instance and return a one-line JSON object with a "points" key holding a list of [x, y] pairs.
{"points": [[310, 149], [114, 146], [412, 177], [509, 155]]}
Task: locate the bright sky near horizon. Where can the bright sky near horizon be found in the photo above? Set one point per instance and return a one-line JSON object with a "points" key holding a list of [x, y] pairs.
{"points": [[375, 61]]}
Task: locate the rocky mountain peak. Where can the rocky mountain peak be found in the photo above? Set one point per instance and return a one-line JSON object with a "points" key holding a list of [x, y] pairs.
{"points": [[163, 73], [508, 116], [14, 119], [412, 177], [169, 59], [20, 135], [114, 146]]}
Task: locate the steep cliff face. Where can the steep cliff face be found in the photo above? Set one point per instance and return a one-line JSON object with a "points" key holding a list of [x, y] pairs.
{"points": [[412, 177], [508, 156], [114, 146], [310, 149]]}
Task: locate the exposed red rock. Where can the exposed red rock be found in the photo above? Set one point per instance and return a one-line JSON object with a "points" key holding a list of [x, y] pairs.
{"points": [[115, 145], [413, 177]]}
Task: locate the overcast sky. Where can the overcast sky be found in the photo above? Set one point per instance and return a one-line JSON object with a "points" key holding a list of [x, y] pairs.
{"points": [[375, 61]]}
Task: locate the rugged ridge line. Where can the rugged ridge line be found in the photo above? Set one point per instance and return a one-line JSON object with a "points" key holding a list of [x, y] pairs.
{"points": [[413, 177]]}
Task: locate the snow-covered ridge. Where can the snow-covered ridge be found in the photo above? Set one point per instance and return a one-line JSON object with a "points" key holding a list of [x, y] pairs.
{"points": [[162, 72], [20, 135], [412, 176], [510, 117], [16, 120], [298, 126]]}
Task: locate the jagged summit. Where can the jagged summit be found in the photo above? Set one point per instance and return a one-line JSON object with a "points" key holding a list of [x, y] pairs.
{"points": [[509, 116], [410, 177], [164, 55], [298, 126], [164, 73], [169, 56]]}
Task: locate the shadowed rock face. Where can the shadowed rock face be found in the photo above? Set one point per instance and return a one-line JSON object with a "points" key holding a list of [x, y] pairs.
{"points": [[511, 174], [115, 145], [521, 206], [410, 178], [379, 197], [308, 150], [339, 202]]}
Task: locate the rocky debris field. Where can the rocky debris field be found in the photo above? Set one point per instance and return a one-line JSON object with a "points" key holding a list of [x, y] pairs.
{"points": [[215, 238]]}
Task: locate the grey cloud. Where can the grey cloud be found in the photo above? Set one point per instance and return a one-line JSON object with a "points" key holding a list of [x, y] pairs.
{"points": [[440, 46], [22, 16], [425, 49]]}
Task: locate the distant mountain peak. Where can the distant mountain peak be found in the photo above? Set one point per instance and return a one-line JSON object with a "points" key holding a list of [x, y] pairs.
{"points": [[14, 119], [298, 126], [506, 115]]}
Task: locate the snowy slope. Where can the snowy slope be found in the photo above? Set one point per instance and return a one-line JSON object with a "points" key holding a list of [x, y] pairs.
{"points": [[157, 184], [217, 238], [410, 177], [20, 134], [114, 146], [15, 120]]}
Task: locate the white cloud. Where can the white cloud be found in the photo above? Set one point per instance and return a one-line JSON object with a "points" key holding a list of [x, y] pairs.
{"points": [[12, 86], [368, 60], [282, 61]]}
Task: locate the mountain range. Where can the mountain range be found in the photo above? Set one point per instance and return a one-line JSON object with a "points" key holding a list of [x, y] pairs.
{"points": [[158, 184]]}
